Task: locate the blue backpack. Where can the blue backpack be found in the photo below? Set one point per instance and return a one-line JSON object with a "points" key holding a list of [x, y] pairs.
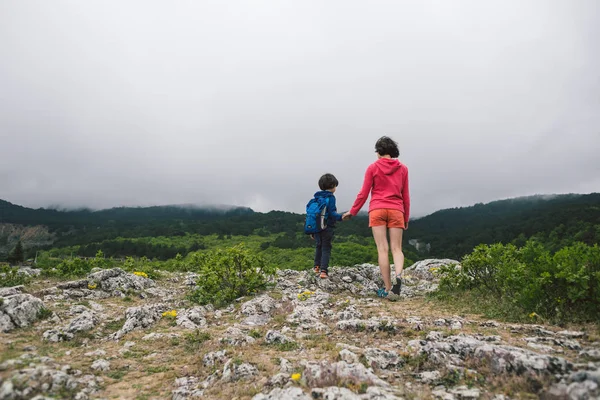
{"points": [[316, 215]]}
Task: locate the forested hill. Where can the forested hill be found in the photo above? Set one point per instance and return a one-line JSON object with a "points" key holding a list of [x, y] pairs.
{"points": [[554, 220]]}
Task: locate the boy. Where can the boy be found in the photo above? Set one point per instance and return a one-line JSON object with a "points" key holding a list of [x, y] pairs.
{"points": [[328, 183]]}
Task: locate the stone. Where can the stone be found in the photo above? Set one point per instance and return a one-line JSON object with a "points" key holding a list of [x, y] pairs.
{"points": [[57, 335], [278, 380], [187, 387], [18, 311], [541, 347], [101, 365], [348, 356], [139, 318], [10, 291], [263, 304], [382, 359], [429, 377], [292, 393], [285, 366], [592, 354], [434, 335], [233, 372], [334, 393], [464, 393], [571, 334], [320, 373], [276, 337], [85, 321], [214, 357], [194, 318], [349, 313], [236, 337], [96, 353]]}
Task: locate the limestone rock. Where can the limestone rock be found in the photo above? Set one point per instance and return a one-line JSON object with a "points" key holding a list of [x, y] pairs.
{"points": [[273, 337], [382, 359], [233, 372], [139, 318], [18, 311], [101, 365], [194, 318]]}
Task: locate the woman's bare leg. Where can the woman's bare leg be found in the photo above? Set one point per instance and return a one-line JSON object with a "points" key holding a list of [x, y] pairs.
{"points": [[396, 247], [383, 250]]}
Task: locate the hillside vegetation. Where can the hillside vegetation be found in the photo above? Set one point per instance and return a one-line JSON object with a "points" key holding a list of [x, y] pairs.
{"points": [[164, 232]]}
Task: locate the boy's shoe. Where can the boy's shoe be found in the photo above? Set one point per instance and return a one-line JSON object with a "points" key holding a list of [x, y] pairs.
{"points": [[324, 275], [397, 287], [317, 270]]}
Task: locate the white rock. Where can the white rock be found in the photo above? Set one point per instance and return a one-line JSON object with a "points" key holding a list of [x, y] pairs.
{"points": [[101, 365]]}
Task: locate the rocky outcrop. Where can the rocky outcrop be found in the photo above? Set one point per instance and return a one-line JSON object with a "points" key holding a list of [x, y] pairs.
{"points": [[140, 318], [258, 310], [102, 284], [304, 339], [18, 310], [84, 320], [193, 318]]}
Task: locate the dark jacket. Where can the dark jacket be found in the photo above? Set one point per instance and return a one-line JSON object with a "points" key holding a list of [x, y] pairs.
{"points": [[332, 213]]}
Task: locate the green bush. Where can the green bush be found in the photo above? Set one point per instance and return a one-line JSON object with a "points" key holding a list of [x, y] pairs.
{"points": [[226, 274], [530, 280], [142, 265], [10, 276], [77, 267], [72, 267]]}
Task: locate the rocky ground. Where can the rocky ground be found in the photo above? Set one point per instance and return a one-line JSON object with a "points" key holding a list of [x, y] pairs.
{"points": [[116, 335]]}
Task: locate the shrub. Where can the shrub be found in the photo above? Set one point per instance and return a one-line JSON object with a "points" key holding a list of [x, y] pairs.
{"points": [[142, 267], [564, 286], [77, 267], [10, 276], [227, 274], [73, 267]]}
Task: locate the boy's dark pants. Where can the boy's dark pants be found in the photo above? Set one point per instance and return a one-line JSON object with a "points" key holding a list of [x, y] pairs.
{"points": [[323, 248]]}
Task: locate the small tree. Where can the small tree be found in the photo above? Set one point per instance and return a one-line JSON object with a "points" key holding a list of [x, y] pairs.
{"points": [[226, 274], [17, 255]]}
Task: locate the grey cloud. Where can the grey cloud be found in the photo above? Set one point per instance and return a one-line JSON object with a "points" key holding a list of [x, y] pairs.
{"points": [[146, 102]]}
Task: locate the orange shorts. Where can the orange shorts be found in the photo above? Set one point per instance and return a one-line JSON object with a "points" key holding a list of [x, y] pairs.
{"points": [[387, 217]]}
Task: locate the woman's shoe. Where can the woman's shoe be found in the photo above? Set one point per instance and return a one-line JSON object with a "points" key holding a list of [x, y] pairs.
{"points": [[317, 270], [324, 275], [397, 287], [387, 295]]}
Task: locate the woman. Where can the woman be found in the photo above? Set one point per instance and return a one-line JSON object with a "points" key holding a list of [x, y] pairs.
{"points": [[387, 182]]}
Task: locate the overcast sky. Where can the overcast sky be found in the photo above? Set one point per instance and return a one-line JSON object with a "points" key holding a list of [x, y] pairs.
{"points": [[110, 103]]}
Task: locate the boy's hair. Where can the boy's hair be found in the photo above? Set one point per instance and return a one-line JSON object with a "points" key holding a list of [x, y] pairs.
{"points": [[328, 181], [385, 146]]}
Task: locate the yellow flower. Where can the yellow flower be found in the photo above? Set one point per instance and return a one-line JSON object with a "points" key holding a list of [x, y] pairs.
{"points": [[142, 274], [532, 315], [92, 286], [170, 314], [305, 295], [296, 377]]}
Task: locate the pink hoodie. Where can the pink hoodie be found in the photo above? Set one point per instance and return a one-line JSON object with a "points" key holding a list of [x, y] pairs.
{"points": [[387, 181]]}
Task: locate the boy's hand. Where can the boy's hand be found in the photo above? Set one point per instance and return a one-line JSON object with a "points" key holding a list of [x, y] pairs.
{"points": [[346, 216], [312, 237]]}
